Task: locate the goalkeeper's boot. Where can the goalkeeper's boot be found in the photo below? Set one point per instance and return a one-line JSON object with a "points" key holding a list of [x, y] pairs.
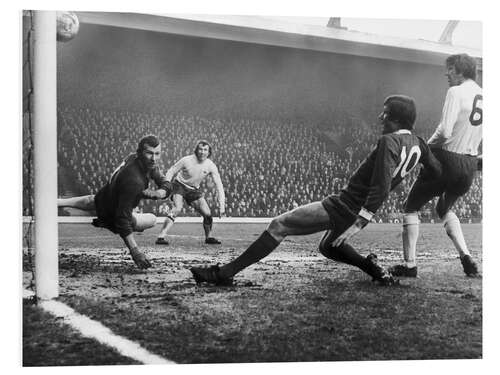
{"points": [[210, 275], [379, 273], [212, 241], [470, 267], [402, 270], [161, 241]]}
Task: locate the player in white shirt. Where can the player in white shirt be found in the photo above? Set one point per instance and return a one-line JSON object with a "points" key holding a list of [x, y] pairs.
{"points": [[186, 176], [455, 144]]}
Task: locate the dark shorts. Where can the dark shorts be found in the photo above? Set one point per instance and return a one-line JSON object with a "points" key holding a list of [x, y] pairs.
{"points": [[107, 223], [189, 194], [341, 216], [104, 219], [456, 179]]}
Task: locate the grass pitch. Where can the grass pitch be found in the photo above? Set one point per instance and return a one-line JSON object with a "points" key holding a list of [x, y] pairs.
{"points": [[295, 305]]}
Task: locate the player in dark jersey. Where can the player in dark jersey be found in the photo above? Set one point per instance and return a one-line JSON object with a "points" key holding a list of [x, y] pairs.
{"points": [[397, 152], [128, 184]]}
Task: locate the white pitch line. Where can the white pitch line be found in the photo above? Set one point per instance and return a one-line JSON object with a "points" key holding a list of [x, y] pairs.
{"points": [[95, 330], [203, 238]]}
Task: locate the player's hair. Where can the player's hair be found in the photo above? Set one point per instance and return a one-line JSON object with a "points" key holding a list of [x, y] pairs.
{"points": [[401, 109], [150, 140], [203, 142], [464, 64]]}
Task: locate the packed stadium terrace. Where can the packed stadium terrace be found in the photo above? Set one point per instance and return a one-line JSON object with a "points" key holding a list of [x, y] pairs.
{"points": [[267, 166]]}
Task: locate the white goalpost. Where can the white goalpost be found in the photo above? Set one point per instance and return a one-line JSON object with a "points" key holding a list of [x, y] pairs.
{"points": [[45, 155]]}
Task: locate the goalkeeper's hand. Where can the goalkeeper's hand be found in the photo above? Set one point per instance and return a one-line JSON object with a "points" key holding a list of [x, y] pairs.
{"points": [[154, 194], [140, 259]]}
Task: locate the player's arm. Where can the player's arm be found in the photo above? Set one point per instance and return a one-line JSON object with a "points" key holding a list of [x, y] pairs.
{"points": [[164, 186], [449, 116], [380, 185], [386, 161], [124, 223], [220, 189], [164, 182], [174, 169]]}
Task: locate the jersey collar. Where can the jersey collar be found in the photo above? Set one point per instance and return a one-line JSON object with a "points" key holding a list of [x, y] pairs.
{"points": [[402, 131]]}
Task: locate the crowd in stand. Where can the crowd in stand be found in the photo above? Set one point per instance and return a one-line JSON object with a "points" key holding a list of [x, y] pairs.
{"points": [[267, 166]]}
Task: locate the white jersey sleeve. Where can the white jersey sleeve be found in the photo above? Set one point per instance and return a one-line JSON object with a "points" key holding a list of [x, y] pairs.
{"points": [[220, 187], [460, 128], [174, 170]]}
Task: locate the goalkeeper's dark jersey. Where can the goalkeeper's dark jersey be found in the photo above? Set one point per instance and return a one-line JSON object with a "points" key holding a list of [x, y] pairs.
{"points": [[395, 155], [123, 192]]}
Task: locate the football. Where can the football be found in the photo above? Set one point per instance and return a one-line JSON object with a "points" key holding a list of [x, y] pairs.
{"points": [[67, 26]]}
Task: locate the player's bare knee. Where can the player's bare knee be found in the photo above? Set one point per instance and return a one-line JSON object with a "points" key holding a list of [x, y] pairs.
{"points": [[144, 221], [276, 228]]}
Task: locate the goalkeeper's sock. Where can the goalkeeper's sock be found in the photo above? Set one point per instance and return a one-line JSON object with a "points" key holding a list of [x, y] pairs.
{"points": [[259, 249]]}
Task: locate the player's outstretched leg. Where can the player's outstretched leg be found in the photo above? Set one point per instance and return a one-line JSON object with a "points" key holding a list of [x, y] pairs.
{"points": [[345, 253], [211, 275], [410, 237], [303, 220], [259, 249], [84, 202]]}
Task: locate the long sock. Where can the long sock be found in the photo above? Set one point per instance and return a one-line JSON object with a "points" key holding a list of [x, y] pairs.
{"points": [[259, 249], [207, 229], [454, 231], [410, 237], [345, 253]]}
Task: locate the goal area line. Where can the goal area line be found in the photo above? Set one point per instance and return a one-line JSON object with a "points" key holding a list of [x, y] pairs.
{"points": [[95, 330]]}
